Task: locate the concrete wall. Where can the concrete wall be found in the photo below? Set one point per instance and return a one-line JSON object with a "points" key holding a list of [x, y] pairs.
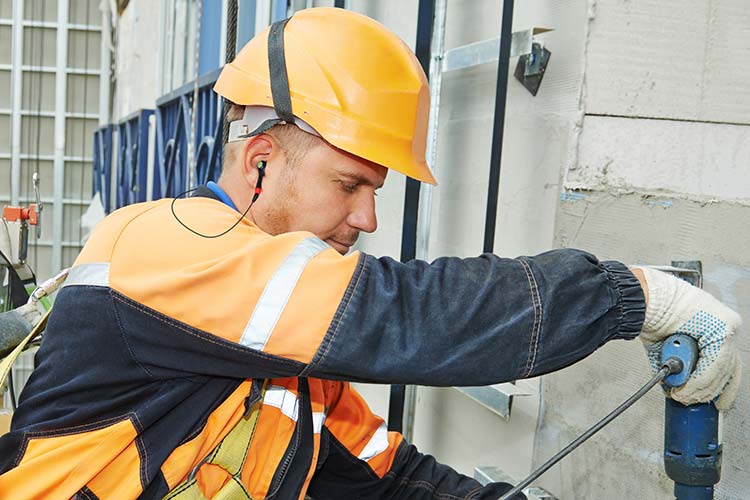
{"points": [[660, 173], [625, 458]]}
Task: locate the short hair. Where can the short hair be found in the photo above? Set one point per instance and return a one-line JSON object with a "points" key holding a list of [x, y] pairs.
{"points": [[294, 142]]}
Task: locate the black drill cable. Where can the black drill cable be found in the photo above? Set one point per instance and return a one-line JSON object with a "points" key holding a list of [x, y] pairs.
{"points": [[671, 366]]}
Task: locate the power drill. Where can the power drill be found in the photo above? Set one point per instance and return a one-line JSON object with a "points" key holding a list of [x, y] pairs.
{"points": [[692, 452]]}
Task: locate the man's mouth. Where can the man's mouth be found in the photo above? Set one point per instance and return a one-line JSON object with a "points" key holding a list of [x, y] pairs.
{"points": [[341, 248]]}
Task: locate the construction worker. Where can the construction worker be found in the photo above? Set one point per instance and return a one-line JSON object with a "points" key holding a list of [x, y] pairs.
{"points": [[241, 312]]}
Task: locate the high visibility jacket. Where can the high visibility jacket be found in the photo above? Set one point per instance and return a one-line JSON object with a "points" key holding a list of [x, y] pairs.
{"points": [[153, 342]]}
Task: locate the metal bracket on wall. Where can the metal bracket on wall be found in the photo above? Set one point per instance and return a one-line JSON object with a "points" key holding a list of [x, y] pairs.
{"points": [[491, 474], [498, 398], [688, 270], [531, 67], [487, 51]]}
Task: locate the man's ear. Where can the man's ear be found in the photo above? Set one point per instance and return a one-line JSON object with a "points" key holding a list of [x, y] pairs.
{"points": [[258, 148]]}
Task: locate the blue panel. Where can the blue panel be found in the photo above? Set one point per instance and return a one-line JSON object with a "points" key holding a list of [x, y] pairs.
{"points": [[103, 164], [247, 12], [245, 22], [210, 30], [173, 117], [279, 10], [132, 158]]}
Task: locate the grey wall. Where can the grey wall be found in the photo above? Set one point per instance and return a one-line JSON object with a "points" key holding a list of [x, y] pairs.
{"points": [[660, 173]]}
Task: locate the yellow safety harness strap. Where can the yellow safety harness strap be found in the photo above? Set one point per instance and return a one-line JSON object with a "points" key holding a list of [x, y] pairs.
{"points": [[7, 363], [230, 454]]}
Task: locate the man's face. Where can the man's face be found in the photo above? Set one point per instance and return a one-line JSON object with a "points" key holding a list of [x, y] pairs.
{"points": [[329, 193]]}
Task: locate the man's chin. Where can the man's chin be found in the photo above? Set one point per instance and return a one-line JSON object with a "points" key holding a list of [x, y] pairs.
{"points": [[339, 247]]}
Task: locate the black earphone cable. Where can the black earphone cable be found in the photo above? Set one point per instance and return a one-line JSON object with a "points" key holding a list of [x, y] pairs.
{"points": [[258, 190]]}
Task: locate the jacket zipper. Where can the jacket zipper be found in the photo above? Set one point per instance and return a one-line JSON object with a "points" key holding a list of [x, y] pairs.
{"points": [[289, 456], [281, 474]]}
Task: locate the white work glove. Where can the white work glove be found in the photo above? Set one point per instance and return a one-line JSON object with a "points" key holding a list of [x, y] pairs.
{"points": [[674, 306]]}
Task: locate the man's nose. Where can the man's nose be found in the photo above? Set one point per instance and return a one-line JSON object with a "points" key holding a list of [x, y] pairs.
{"points": [[363, 216]]}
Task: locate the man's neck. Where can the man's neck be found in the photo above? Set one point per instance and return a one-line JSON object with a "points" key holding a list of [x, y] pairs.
{"points": [[239, 198], [221, 194]]}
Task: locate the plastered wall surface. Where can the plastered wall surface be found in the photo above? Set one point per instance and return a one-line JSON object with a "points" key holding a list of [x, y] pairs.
{"points": [[694, 160], [680, 59], [625, 459], [659, 172]]}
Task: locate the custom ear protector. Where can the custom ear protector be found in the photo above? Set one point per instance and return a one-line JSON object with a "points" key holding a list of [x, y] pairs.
{"points": [[258, 189], [259, 182]]}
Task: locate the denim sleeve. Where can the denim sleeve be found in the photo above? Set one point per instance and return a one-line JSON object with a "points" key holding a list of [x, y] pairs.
{"points": [[477, 321]]}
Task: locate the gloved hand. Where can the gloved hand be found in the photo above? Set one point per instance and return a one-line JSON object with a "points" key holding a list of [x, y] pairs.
{"points": [[674, 306]]}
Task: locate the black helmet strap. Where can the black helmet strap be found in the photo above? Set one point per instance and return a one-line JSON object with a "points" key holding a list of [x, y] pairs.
{"points": [[282, 100]]}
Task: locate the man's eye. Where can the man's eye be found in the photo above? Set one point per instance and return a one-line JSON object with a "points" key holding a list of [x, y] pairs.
{"points": [[348, 187]]}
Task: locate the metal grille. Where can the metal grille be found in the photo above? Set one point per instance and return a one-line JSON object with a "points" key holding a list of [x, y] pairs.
{"points": [[102, 175], [173, 117], [50, 53], [132, 158]]}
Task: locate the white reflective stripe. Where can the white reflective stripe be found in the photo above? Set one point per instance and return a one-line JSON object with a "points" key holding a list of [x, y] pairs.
{"points": [[286, 401], [275, 296], [96, 274], [378, 444], [318, 420]]}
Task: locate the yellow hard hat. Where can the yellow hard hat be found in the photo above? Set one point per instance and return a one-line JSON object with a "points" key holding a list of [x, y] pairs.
{"points": [[347, 76]]}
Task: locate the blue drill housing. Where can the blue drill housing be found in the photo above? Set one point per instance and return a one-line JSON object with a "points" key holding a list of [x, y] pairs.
{"points": [[692, 453]]}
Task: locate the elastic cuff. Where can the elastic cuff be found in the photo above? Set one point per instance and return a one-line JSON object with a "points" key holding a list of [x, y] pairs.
{"points": [[631, 302]]}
